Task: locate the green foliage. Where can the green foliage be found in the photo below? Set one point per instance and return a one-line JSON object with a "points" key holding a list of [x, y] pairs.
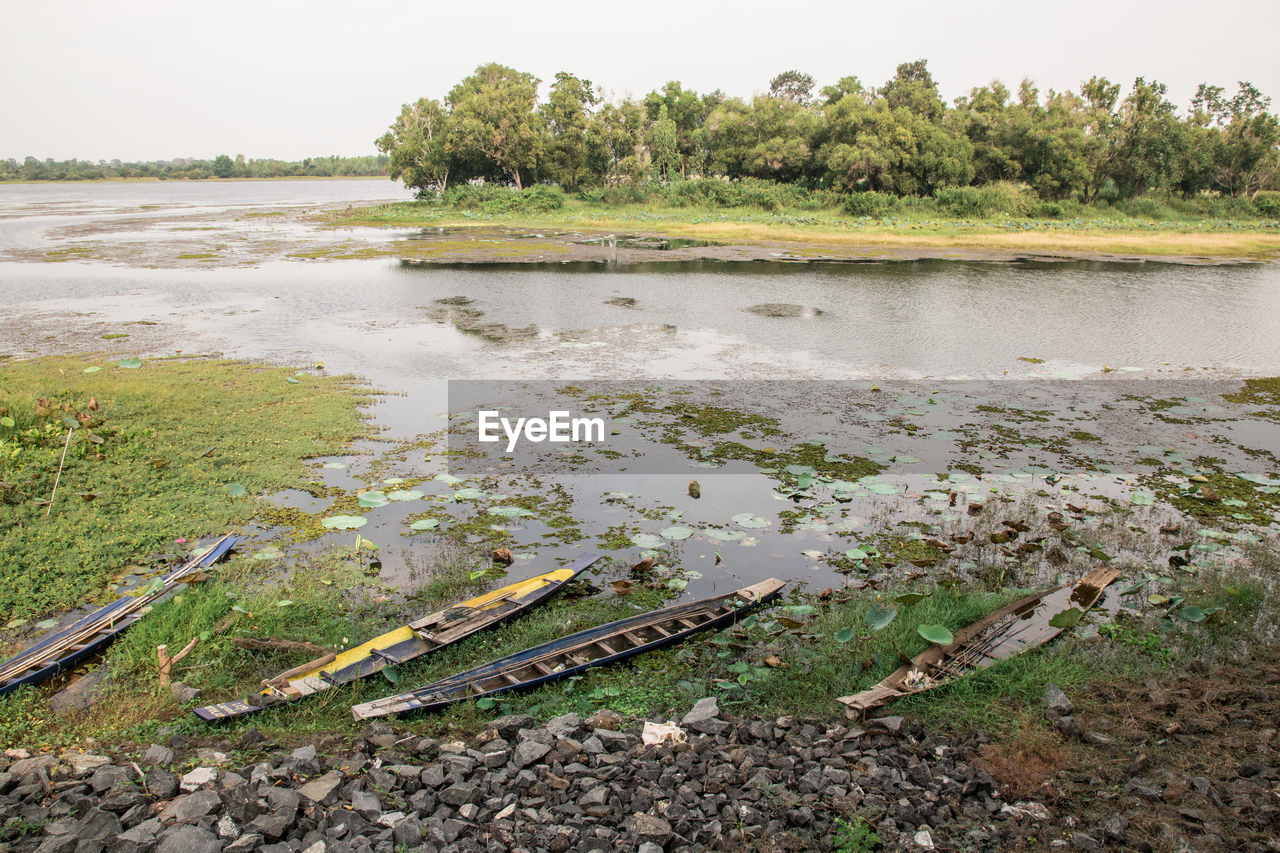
{"points": [[855, 837], [871, 204], [994, 200], [499, 199], [149, 463]]}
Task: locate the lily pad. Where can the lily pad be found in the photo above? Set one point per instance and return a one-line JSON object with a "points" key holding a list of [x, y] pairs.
{"points": [[344, 522], [936, 634], [130, 363], [448, 479], [269, 554], [93, 369], [1142, 499], [372, 500], [909, 598], [236, 490], [882, 489], [425, 524], [748, 520], [716, 535], [676, 533], [1066, 618], [844, 635], [880, 616], [405, 495], [468, 494], [647, 540], [856, 554]]}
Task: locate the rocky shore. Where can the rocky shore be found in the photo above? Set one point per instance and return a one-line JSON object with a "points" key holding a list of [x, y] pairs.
{"points": [[584, 785]]}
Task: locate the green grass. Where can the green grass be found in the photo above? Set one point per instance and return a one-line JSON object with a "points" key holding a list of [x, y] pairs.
{"points": [[149, 462]]}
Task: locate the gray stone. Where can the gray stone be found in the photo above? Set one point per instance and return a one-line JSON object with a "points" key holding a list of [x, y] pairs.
{"points": [[456, 795], [82, 764], [509, 725], [1145, 788], [98, 825], [432, 776], [651, 828], [161, 784], [33, 765], [184, 692], [1116, 827], [1056, 702], [192, 807], [407, 833], [306, 757], [1083, 841], [323, 790], [136, 840], [890, 725], [198, 778], [243, 844], [80, 694], [226, 828], [649, 847], [272, 825], [366, 804], [157, 756], [188, 839], [108, 776], [563, 726], [529, 751], [702, 711]]}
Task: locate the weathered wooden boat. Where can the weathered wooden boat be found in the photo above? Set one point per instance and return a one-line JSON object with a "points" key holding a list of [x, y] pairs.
{"points": [[1003, 634], [67, 647], [431, 633], [576, 653]]}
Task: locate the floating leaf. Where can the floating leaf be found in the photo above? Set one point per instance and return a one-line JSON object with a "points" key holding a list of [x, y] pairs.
{"points": [[908, 598], [844, 635], [936, 634], [856, 554], [425, 524], [372, 500], [468, 494], [333, 465], [882, 489], [93, 369], [130, 363], [725, 535], [1190, 613], [676, 533], [748, 520], [405, 495], [1066, 618], [486, 703], [236, 490], [269, 554], [511, 511], [343, 522], [448, 479], [677, 583], [1142, 499], [880, 616], [804, 481], [647, 540]]}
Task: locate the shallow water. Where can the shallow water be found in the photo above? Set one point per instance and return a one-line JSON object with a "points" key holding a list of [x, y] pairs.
{"points": [[400, 326]]}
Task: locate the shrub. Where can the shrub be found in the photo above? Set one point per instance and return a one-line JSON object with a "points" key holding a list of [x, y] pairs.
{"points": [[872, 204], [1268, 204], [1002, 199], [498, 198], [1147, 208]]}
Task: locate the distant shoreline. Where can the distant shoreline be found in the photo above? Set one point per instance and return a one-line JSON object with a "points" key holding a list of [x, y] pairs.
{"points": [[211, 180]]}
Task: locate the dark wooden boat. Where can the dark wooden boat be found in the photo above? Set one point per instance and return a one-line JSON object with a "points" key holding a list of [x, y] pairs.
{"points": [[579, 652], [1005, 633], [431, 633], [66, 647]]}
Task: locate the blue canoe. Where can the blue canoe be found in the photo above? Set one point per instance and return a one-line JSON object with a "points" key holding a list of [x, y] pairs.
{"points": [[579, 652], [67, 647]]}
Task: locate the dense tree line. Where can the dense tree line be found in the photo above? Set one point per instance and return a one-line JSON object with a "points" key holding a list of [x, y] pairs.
{"points": [[222, 166], [900, 138]]}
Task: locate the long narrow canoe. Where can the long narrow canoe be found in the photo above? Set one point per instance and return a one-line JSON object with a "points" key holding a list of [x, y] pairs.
{"points": [[1009, 631], [579, 652], [430, 633], [66, 647]]}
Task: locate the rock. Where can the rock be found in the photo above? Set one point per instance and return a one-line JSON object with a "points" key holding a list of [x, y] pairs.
{"points": [[161, 784], [82, 764], [1068, 726], [529, 751], [323, 790], [198, 778], [33, 765], [1026, 810], [605, 719], [251, 737], [1116, 827], [456, 795], [188, 839], [649, 847], [272, 826], [1056, 702], [98, 825], [563, 726], [192, 807], [702, 711], [1145, 788], [407, 833], [226, 828], [183, 692], [244, 844], [136, 840], [306, 758], [1083, 841], [923, 840], [890, 725], [157, 756], [651, 828], [367, 805], [507, 727]]}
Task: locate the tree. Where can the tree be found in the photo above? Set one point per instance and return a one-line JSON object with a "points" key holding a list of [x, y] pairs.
{"points": [[663, 151], [565, 117], [613, 141], [222, 166], [493, 117], [1243, 146], [687, 110], [792, 86], [418, 146], [913, 88]]}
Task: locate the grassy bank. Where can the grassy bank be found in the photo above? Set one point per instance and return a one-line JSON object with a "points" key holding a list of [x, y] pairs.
{"points": [[1089, 231], [795, 658], [156, 456]]}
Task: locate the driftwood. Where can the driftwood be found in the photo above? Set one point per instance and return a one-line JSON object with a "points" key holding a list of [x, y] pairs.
{"points": [[271, 644]]}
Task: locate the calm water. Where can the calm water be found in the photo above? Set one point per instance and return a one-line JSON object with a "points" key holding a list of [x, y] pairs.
{"points": [[402, 327]]}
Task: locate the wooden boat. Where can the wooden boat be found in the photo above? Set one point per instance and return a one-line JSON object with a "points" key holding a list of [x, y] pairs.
{"points": [[428, 634], [1005, 633], [68, 646], [579, 652]]}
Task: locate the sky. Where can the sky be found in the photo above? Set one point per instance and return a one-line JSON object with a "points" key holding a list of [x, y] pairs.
{"points": [[295, 78]]}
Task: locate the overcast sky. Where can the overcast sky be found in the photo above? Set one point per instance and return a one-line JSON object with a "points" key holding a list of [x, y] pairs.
{"points": [[137, 79]]}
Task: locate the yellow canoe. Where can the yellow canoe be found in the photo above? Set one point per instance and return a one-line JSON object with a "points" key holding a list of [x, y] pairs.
{"points": [[422, 636]]}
